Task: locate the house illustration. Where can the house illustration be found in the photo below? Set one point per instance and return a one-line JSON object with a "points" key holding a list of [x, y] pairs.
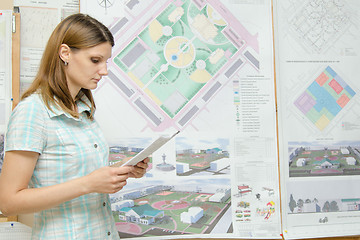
{"points": [[143, 214], [301, 162], [192, 215], [327, 163]]}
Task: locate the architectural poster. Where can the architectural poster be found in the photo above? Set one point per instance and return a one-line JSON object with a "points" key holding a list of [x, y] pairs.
{"points": [[317, 60], [204, 68], [5, 74], [34, 33]]}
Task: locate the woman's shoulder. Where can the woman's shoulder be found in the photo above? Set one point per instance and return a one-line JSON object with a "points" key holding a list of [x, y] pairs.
{"points": [[33, 98], [32, 103]]}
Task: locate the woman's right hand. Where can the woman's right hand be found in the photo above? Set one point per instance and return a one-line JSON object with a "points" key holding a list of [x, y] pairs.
{"points": [[17, 198], [108, 179]]}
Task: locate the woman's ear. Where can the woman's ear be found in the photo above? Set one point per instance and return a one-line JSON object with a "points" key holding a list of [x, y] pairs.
{"points": [[64, 53]]}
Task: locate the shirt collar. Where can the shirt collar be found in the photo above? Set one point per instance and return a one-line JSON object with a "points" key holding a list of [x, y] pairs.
{"points": [[83, 105]]}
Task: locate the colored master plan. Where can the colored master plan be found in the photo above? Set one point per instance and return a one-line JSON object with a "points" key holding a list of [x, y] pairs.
{"points": [[171, 67], [324, 98]]}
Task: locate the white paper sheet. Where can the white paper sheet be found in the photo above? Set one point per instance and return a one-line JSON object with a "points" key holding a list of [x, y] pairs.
{"points": [[146, 152]]}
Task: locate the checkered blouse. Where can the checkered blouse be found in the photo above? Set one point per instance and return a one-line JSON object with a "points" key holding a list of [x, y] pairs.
{"points": [[69, 148]]}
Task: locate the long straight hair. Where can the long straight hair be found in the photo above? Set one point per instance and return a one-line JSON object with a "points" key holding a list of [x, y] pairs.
{"points": [[78, 31]]}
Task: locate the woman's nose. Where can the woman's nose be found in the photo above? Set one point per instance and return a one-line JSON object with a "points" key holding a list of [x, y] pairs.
{"points": [[103, 71]]}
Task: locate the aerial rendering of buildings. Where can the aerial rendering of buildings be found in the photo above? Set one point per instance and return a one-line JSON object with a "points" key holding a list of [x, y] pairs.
{"points": [[192, 215]]}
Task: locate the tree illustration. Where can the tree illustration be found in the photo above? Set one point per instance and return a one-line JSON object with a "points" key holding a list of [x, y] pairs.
{"points": [[326, 207], [334, 206], [292, 203], [300, 203]]}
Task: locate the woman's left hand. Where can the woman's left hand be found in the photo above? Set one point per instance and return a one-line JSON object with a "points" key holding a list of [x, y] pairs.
{"points": [[140, 169]]}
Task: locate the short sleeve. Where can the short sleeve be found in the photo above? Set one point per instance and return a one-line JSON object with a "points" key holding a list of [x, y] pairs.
{"points": [[26, 128]]}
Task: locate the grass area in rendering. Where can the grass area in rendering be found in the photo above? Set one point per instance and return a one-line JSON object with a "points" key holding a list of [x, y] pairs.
{"points": [[324, 162], [175, 203]]}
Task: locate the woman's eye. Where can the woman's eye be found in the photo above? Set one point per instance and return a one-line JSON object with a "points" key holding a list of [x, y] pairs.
{"points": [[94, 60]]}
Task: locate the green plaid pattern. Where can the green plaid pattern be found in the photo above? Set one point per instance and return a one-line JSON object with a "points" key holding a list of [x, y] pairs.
{"points": [[69, 148]]}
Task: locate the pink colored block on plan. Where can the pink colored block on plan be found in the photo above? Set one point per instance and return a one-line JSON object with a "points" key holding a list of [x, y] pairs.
{"points": [[322, 78], [343, 100], [335, 86]]}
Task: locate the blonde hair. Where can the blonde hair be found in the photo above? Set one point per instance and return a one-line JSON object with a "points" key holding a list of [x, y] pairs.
{"points": [[78, 31]]}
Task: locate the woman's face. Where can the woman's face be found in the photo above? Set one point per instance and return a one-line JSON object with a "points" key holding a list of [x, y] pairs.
{"points": [[86, 67]]}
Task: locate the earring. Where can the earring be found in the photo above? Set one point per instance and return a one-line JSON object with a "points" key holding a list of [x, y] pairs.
{"points": [[66, 63]]}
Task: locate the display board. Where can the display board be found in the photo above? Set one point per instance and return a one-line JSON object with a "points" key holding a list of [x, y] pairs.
{"points": [[318, 104], [206, 68], [8, 43], [34, 33], [5, 74]]}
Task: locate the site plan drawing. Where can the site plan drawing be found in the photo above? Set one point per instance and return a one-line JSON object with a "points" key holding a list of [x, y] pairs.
{"points": [[179, 59], [324, 98], [318, 24], [318, 107], [204, 68]]}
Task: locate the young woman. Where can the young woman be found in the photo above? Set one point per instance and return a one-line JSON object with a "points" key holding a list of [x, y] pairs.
{"points": [[56, 156]]}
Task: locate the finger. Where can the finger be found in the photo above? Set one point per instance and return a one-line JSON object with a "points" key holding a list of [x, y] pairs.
{"points": [[123, 170], [119, 184], [118, 187], [122, 184], [134, 175], [138, 172], [140, 169], [116, 178], [141, 165]]}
